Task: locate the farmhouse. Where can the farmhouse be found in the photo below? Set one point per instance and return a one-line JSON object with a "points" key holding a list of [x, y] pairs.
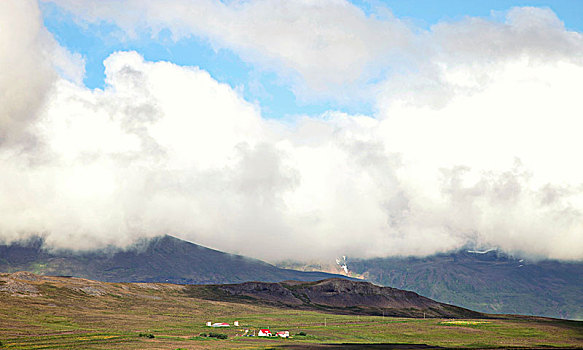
{"points": [[264, 333], [219, 324]]}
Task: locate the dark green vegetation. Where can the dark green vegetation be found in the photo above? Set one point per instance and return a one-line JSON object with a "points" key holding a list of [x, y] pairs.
{"points": [[38, 312], [218, 335], [492, 282], [336, 295], [161, 259]]}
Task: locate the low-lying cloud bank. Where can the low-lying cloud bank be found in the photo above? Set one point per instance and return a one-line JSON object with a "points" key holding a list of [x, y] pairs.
{"points": [[480, 145]]}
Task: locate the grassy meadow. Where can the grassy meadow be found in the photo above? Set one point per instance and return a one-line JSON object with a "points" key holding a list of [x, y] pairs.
{"points": [[61, 313]]}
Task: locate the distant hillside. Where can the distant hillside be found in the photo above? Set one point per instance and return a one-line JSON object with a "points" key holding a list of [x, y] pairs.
{"points": [[336, 295], [161, 259], [490, 282], [45, 312]]}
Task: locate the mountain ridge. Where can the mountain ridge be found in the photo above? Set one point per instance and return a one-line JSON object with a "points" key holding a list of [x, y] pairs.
{"points": [[486, 281], [334, 295], [160, 259]]}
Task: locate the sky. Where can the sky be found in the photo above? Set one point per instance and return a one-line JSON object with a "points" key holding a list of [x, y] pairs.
{"points": [[294, 129]]}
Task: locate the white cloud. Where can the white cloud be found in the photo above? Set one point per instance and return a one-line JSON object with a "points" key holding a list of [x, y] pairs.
{"points": [[326, 46], [26, 74], [29, 60], [536, 33], [479, 146], [496, 94]]}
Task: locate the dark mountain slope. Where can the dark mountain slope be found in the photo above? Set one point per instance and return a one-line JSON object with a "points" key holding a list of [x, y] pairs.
{"points": [[161, 259], [491, 282], [333, 295]]}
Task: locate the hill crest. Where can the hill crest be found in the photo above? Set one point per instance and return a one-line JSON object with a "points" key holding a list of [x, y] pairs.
{"points": [[160, 259]]}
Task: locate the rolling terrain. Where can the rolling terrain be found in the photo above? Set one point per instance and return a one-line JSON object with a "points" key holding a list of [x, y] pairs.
{"points": [[160, 259], [491, 281], [43, 312]]}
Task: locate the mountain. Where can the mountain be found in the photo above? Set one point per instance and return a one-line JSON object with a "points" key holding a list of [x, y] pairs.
{"points": [[335, 295], [161, 259], [489, 281]]}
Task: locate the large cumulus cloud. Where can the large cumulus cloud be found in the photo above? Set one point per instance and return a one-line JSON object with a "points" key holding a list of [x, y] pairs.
{"points": [[29, 59], [476, 144]]}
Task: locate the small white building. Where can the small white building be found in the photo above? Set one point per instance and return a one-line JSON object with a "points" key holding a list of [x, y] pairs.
{"points": [[283, 334], [264, 333], [220, 324]]}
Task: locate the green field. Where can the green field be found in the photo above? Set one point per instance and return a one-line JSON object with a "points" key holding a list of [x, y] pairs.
{"points": [[61, 313]]}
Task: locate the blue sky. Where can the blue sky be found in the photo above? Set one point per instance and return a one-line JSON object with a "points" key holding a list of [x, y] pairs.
{"points": [[273, 93], [97, 42]]}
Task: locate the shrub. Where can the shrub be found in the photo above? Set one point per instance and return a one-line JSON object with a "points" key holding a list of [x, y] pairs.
{"points": [[303, 334], [203, 335], [147, 335], [218, 335]]}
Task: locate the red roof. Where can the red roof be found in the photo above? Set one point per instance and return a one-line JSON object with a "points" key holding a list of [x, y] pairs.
{"points": [[266, 331]]}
